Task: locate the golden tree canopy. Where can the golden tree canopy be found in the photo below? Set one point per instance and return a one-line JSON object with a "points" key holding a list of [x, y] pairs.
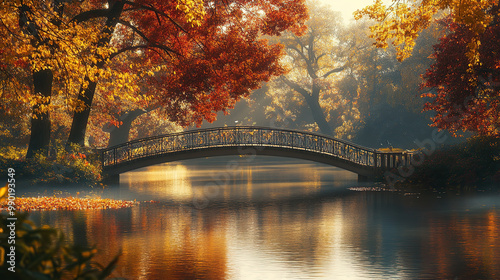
{"points": [[402, 21]]}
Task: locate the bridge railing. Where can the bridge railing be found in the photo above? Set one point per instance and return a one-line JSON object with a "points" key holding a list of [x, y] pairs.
{"points": [[250, 136]]}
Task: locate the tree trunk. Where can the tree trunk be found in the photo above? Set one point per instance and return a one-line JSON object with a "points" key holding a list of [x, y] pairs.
{"points": [[40, 121], [316, 110], [120, 135], [80, 119], [312, 99], [319, 116]]}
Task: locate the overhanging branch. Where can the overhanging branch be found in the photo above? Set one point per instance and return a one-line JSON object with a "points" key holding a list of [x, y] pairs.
{"points": [[135, 29], [157, 12], [147, 46], [90, 15]]}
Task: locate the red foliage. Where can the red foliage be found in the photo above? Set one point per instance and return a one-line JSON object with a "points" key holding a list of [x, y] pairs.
{"points": [[466, 83], [220, 61], [206, 68]]}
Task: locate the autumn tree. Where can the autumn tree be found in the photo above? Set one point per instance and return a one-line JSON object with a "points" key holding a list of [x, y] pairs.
{"points": [[464, 74], [401, 22], [317, 59], [187, 55], [111, 15], [378, 96], [45, 56], [465, 97], [207, 67], [65, 50], [389, 91], [115, 13]]}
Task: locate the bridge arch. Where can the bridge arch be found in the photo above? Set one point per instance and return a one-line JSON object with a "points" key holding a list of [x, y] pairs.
{"points": [[247, 140]]}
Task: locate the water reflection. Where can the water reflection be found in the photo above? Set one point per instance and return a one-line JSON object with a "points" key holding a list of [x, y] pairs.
{"points": [[263, 225], [168, 181], [234, 179]]}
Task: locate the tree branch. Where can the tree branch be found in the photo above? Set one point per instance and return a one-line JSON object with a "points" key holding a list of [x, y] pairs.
{"points": [[157, 12], [90, 15], [341, 68], [135, 29], [320, 56], [310, 68], [152, 46], [295, 87]]}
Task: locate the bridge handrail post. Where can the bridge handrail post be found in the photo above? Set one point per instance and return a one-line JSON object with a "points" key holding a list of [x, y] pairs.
{"points": [[305, 142]]}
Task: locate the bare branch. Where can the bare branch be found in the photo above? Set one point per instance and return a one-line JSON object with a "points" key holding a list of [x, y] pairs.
{"points": [[338, 69]]}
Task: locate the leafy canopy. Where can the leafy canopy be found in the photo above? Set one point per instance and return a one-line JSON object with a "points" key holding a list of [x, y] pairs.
{"points": [[402, 21], [465, 97]]}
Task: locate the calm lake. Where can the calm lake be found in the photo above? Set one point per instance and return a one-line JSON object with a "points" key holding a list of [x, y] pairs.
{"points": [[274, 218]]}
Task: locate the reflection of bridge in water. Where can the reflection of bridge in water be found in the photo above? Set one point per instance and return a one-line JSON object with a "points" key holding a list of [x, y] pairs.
{"points": [[249, 140]]}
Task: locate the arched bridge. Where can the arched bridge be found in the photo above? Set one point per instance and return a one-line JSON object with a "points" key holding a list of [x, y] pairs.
{"points": [[248, 140]]}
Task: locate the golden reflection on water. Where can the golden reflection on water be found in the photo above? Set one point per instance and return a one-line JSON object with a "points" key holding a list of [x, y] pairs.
{"points": [[351, 236], [174, 181], [170, 180], [288, 241], [156, 243], [261, 243]]}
